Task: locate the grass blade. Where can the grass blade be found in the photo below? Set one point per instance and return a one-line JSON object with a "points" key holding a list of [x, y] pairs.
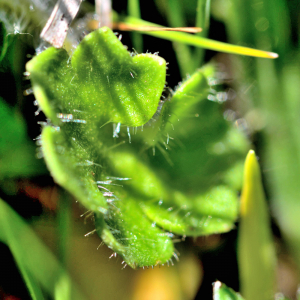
{"points": [[256, 252], [37, 263], [203, 13], [134, 11], [64, 228], [202, 20], [201, 42], [182, 51], [32, 284]]}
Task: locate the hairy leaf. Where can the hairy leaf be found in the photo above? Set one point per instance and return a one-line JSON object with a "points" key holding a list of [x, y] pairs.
{"points": [[200, 214], [105, 166], [129, 232], [102, 80]]}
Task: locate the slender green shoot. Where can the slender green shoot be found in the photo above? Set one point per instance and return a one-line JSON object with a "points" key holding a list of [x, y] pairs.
{"points": [[64, 226], [201, 42], [183, 52], [256, 251], [37, 264], [202, 20], [134, 11], [8, 235]]}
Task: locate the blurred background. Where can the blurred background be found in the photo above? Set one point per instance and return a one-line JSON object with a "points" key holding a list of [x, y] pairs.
{"points": [[263, 101]]}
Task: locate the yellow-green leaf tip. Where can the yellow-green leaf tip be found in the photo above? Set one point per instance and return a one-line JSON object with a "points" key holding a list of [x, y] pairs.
{"points": [[252, 178]]}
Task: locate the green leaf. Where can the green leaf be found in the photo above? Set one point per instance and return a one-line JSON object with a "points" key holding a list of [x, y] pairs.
{"points": [[192, 136], [81, 97], [203, 214], [143, 182], [127, 230], [113, 86], [129, 233], [120, 88], [69, 165], [222, 292], [178, 109], [212, 212], [256, 251]]}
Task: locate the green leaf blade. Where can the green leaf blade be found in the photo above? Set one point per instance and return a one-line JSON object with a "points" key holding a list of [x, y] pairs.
{"points": [[122, 85], [202, 42], [195, 143], [212, 212], [256, 251], [38, 265], [64, 165], [50, 79]]}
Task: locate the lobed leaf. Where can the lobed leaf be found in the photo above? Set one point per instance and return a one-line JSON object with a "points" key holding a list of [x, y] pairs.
{"points": [[132, 200]]}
